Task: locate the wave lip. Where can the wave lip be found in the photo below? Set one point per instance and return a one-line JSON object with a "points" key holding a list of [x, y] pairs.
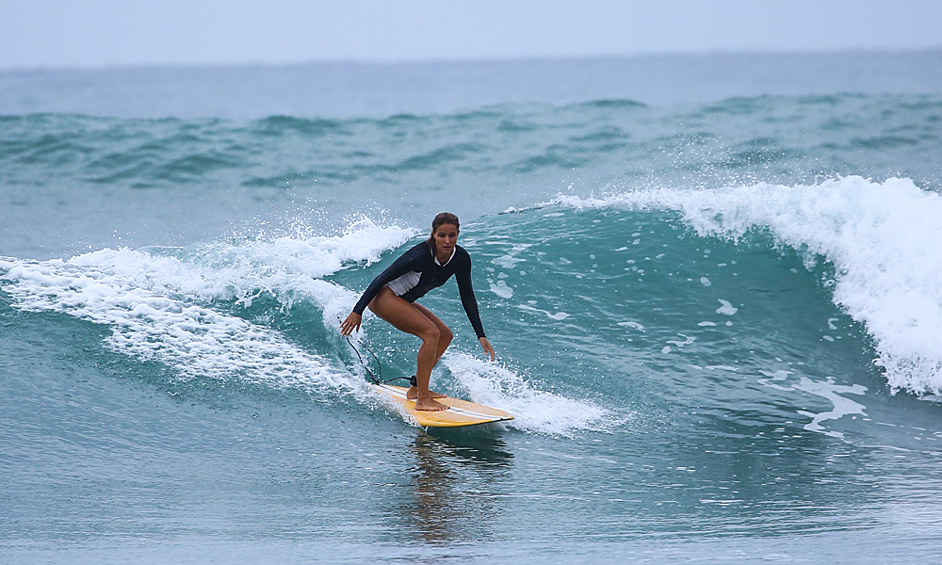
{"points": [[883, 240]]}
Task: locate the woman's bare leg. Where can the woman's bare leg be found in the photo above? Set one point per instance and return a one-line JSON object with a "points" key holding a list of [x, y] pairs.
{"points": [[410, 319], [444, 340], [446, 334]]}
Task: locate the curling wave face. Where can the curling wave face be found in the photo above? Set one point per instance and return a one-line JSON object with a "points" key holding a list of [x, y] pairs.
{"points": [[881, 239]]}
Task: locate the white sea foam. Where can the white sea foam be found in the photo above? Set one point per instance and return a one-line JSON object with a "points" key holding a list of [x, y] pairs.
{"points": [[159, 303], [501, 289], [883, 239], [726, 308], [558, 316], [842, 406], [687, 340], [534, 410], [507, 261]]}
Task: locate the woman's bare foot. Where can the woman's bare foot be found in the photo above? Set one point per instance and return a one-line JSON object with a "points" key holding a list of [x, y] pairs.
{"points": [[429, 405], [413, 393]]}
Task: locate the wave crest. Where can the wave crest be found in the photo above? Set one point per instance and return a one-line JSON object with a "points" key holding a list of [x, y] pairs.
{"points": [[881, 238]]}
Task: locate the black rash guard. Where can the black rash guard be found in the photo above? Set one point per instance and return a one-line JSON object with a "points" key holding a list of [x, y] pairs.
{"points": [[421, 259]]}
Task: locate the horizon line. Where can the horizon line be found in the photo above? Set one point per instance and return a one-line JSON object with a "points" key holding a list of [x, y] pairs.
{"points": [[469, 60]]}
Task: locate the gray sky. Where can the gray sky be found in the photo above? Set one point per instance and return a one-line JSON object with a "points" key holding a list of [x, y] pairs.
{"points": [[98, 33]]}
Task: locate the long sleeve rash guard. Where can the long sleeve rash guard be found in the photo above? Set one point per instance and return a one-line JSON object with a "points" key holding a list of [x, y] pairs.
{"points": [[421, 259]]}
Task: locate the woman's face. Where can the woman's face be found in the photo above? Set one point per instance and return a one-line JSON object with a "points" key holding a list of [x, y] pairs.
{"points": [[445, 236]]}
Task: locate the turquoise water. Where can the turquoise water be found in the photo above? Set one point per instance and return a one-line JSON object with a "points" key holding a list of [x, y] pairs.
{"points": [[718, 320]]}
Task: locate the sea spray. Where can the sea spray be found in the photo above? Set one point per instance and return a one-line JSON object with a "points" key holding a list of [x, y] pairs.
{"points": [[534, 410]]}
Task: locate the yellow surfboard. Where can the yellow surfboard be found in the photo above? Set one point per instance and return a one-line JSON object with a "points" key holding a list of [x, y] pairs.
{"points": [[459, 413]]}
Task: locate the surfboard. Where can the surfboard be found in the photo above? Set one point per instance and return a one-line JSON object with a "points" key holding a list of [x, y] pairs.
{"points": [[460, 412]]}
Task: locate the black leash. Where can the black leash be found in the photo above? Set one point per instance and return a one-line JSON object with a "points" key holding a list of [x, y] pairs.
{"points": [[379, 367]]}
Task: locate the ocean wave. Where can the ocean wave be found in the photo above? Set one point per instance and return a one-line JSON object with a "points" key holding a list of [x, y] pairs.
{"points": [[191, 309], [882, 239]]}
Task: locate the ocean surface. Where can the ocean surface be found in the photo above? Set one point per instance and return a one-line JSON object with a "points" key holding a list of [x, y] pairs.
{"points": [[714, 284]]}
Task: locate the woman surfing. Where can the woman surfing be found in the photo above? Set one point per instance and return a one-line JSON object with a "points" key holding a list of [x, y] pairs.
{"points": [[392, 296]]}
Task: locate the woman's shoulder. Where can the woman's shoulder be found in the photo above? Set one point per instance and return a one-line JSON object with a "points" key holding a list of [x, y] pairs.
{"points": [[462, 255], [419, 250]]}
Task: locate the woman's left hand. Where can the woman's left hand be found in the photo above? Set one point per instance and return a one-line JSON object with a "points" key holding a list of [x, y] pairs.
{"points": [[487, 347]]}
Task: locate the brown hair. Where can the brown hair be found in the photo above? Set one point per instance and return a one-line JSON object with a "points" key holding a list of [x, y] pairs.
{"points": [[443, 218]]}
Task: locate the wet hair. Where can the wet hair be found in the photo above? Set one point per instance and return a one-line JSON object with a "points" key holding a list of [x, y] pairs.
{"points": [[443, 218]]}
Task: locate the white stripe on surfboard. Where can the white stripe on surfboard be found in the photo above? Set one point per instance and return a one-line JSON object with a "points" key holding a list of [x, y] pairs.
{"points": [[455, 409]]}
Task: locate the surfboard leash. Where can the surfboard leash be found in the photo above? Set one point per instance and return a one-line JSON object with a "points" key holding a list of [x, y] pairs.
{"points": [[379, 367]]}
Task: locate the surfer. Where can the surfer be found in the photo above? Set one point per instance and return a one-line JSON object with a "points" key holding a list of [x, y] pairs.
{"points": [[392, 296]]}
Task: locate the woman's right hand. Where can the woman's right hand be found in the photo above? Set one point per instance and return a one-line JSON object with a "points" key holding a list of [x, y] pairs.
{"points": [[351, 324]]}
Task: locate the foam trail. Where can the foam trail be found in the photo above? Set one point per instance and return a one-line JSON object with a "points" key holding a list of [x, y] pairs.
{"points": [[158, 305], [883, 239], [494, 385], [194, 340]]}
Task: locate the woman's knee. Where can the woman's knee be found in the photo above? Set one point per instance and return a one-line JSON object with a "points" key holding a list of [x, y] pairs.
{"points": [[445, 335], [431, 335]]}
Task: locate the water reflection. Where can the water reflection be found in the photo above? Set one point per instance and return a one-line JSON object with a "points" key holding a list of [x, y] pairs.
{"points": [[454, 486]]}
